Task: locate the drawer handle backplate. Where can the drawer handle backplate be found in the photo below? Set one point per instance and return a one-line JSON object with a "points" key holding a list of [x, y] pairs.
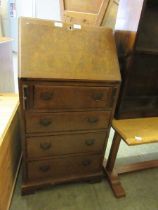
{"points": [[46, 96], [44, 168], [86, 162], [45, 146], [92, 119], [98, 96], [89, 142], [25, 96], [45, 122]]}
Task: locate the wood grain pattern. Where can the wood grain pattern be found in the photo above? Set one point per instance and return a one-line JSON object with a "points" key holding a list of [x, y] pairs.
{"points": [[92, 6], [69, 97], [92, 53], [84, 12], [133, 132], [10, 150], [137, 166], [67, 105], [65, 167], [65, 144], [109, 19], [66, 121], [79, 18], [137, 131], [102, 11]]}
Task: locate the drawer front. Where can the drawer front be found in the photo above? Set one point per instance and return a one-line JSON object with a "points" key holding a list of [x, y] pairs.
{"points": [[65, 144], [70, 97], [65, 167], [66, 121]]}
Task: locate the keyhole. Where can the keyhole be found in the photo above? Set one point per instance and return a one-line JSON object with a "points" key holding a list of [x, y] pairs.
{"points": [[70, 28]]}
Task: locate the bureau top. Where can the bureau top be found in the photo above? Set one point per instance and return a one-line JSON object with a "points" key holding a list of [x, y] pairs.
{"points": [[60, 51]]}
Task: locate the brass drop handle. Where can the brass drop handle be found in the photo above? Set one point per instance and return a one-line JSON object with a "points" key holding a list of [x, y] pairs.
{"points": [[25, 96], [92, 120], [45, 122], [44, 168], [86, 162], [45, 146], [98, 96], [46, 96], [89, 142]]}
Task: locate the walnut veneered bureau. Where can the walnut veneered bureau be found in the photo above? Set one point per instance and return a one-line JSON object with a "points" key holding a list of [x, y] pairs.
{"points": [[68, 82]]}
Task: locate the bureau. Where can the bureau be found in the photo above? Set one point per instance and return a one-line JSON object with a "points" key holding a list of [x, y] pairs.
{"points": [[68, 83]]}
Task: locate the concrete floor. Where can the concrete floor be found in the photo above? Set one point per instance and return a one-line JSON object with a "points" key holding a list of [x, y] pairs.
{"points": [[141, 189]]}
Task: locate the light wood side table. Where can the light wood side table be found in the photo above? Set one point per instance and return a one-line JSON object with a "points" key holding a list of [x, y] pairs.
{"points": [[133, 132]]}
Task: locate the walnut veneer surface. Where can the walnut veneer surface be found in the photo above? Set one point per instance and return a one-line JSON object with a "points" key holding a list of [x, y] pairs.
{"points": [[90, 49], [69, 81]]}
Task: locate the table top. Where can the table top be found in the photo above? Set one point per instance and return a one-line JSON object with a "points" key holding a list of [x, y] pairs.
{"points": [[60, 51], [8, 106], [137, 131]]}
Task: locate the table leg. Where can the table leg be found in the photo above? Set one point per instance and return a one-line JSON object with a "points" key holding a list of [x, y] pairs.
{"points": [[109, 168]]}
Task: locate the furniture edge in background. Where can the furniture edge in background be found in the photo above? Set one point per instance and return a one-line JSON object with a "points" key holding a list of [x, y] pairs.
{"points": [[6, 66], [101, 14], [128, 130], [10, 148]]}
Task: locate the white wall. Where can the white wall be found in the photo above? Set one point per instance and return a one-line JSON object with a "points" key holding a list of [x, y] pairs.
{"points": [[4, 18], [47, 9], [24, 8], [44, 9]]}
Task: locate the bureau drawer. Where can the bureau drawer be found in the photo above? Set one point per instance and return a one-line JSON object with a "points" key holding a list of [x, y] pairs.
{"points": [[70, 97], [65, 167], [66, 121], [65, 144]]}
